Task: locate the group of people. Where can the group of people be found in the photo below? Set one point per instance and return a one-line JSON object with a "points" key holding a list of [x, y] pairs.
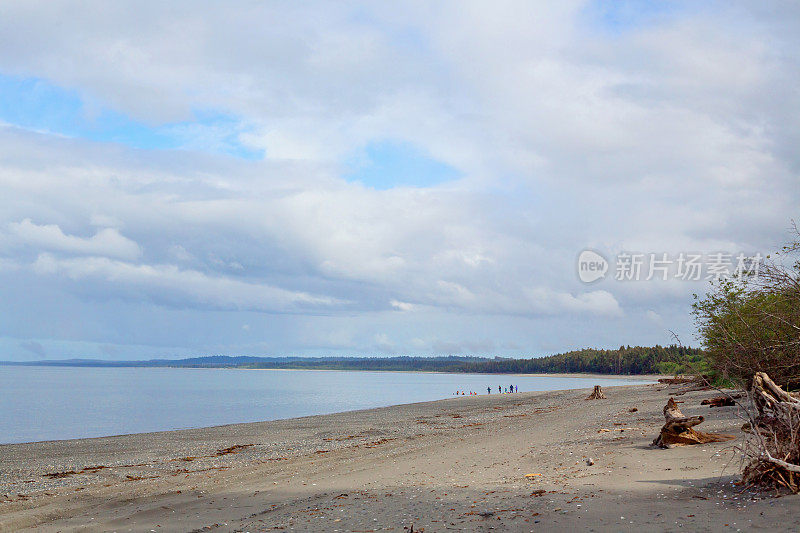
{"points": [[500, 390]]}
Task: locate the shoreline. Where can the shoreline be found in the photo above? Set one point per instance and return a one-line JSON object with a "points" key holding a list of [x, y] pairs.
{"points": [[512, 461], [305, 417], [181, 424]]}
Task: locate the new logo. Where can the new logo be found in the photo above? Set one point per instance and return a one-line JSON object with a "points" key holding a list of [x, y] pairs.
{"points": [[591, 266]]}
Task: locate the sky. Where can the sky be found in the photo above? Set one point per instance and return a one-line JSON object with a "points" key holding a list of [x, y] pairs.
{"points": [[382, 178]]}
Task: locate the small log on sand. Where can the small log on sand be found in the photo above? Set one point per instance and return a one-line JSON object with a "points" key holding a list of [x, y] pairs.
{"points": [[721, 401], [677, 380], [678, 429], [597, 394]]}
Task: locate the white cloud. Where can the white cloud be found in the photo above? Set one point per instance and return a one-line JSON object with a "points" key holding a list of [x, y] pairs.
{"points": [[382, 339], [675, 135], [402, 306], [106, 242], [599, 302], [168, 283]]}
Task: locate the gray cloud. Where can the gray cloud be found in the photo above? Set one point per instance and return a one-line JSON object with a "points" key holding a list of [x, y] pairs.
{"points": [[34, 347]]}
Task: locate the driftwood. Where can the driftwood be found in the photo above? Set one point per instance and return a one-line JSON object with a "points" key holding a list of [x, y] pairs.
{"points": [[692, 384], [694, 387], [678, 429], [597, 394], [677, 380], [770, 399], [721, 401], [775, 448]]}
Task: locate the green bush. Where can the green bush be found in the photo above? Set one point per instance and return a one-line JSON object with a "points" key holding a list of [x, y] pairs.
{"points": [[752, 324]]}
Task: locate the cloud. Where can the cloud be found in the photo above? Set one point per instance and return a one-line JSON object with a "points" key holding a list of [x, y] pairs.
{"points": [[34, 347], [675, 131], [481, 347], [108, 349], [653, 316], [599, 302], [402, 306], [106, 242], [169, 284], [383, 344]]}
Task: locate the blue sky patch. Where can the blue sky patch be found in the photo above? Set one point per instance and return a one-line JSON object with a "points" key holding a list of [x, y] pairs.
{"points": [[36, 104], [620, 16], [386, 164]]}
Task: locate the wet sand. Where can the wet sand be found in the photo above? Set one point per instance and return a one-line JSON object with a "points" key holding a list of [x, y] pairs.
{"points": [[455, 464]]}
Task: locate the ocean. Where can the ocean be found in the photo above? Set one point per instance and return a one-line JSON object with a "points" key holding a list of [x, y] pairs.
{"points": [[49, 403]]}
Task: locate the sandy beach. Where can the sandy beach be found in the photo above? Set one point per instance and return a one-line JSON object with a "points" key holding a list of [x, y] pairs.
{"points": [[501, 462]]}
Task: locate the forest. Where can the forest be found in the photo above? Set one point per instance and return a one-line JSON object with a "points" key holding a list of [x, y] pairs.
{"points": [[624, 360]]}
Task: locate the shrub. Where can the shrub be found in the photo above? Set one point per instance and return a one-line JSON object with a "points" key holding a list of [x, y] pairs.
{"points": [[751, 324]]}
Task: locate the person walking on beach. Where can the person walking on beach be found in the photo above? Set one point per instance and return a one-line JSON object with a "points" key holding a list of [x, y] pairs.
{"points": [[488, 390]]}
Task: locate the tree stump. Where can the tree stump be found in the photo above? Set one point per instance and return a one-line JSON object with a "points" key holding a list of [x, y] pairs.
{"points": [[597, 394], [678, 429]]}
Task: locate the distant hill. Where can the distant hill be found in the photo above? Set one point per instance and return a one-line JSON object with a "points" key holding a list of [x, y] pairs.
{"points": [[211, 361], [626, 360]]}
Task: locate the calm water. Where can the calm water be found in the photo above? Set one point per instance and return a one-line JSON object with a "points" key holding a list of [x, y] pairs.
{"points": [[41, 403]]}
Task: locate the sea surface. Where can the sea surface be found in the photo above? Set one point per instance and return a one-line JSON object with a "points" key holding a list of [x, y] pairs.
{"points": [[45, 403]]}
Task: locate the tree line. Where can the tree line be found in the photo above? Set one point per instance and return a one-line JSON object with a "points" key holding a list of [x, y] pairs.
{"points": [[624, 360]]}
